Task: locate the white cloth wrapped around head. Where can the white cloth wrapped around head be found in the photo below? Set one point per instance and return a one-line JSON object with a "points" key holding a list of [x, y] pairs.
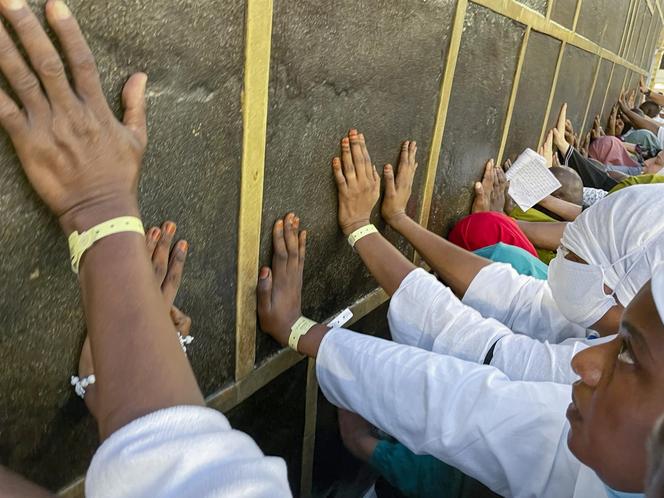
{"points": [[622, 239]]}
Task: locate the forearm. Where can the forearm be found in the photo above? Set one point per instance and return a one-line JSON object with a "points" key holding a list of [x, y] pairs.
{"points": [[454, 265], [127, 320], [657, 98], [566, 210], [543, 235], [384, 261], [640, 121]]}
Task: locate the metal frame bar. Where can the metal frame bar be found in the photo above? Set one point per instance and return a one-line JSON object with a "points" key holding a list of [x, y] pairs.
{"points": [[258, 43], [590, 98], [513, 94], [552, 92], [443, 106]]}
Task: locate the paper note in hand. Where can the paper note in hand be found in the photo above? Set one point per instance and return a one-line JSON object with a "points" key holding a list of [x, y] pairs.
{"points": [[530, 180]]}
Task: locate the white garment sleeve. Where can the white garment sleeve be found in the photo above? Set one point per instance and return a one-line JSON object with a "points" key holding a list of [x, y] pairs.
{"points": [[426, 314], [183, 451], [660, 136], [509, 435], [522, 303]]}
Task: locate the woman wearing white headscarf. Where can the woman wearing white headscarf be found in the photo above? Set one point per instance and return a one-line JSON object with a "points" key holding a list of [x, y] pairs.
{"points": [[540, 325]]}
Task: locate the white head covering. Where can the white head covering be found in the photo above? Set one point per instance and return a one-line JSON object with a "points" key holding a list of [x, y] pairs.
{"points": [[624, 234]]}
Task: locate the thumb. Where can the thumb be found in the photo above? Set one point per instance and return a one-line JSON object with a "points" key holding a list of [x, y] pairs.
{"points": [[133, 100], [264, 290], [388, 174]]}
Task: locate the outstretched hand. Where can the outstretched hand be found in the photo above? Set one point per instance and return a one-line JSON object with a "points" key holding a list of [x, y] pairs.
{"points": [[357, 181], [398, 192], [559, 131], [280, 287], [80, 159]]}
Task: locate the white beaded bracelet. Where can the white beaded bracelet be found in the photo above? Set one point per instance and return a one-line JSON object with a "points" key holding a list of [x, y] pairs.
{"points": [[81, 384]]}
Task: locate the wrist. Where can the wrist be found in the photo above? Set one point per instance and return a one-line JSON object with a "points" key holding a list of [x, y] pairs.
{"points": [[398, 220], [310, 342], [85, 216], [350, 227]]}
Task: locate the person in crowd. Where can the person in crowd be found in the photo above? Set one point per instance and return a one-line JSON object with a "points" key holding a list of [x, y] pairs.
{"points": [[510, 435], [158, 438]]}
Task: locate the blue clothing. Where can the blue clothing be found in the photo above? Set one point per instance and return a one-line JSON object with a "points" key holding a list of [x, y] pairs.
{"points": [[521, 260]]}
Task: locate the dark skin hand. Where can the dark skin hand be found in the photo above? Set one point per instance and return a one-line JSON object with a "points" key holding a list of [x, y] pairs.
{"points": [[640, 122], [84, 164], [168, 266]]}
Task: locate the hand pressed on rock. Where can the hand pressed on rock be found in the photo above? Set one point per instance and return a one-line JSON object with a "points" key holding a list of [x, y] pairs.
{"points": [[279, 289], [358, 183], [80, 159], [397, 192]]}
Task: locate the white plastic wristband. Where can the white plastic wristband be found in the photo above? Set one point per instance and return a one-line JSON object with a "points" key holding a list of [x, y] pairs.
{"points": [[299, 328], [360, 233]]}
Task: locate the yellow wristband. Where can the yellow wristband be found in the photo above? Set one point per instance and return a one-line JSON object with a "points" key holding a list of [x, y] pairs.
{"points": [[361, 232], [299, 328], [81, 242]]}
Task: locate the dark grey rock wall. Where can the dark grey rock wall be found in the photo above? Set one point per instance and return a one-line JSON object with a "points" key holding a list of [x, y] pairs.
{"points": [[376, 65]]}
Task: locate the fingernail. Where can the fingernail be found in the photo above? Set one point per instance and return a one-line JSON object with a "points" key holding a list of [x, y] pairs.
{"points": [[353, 131], [183, 246], [13, 4], [170, 228], [60, 11], [344, 140], [264, 273], [155, 233]]}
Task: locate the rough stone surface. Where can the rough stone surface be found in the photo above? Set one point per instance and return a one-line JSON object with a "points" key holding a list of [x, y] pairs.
{"points": [[650, 48], [537, 5], [191, 175], [575, 82], [563, 12], [615, 87], [603, 22], [478, 105], [638, 23], [531, 98], [278, 431], [599, 93], [644, 31], [348, 74]]}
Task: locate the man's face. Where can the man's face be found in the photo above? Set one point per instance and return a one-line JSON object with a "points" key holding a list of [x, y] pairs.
{"points": [[619, 397]]}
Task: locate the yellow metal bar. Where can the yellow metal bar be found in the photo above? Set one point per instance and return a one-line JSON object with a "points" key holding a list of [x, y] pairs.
{"points": [[254, 114], [549, 9], [646, 43], [512, 101], [576, 14], [441, 114], [628, 21], [552, 93], [606, 92], [309, 437], [538, 22], [590, 99], [630, 35], [650, 6]]}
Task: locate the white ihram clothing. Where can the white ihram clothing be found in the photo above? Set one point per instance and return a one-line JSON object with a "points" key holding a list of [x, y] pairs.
{"points": [[509, 435], [183, 451], [426, 314]]}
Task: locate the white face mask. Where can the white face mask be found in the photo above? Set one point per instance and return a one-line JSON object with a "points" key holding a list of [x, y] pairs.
{"points": [[578, 290]]}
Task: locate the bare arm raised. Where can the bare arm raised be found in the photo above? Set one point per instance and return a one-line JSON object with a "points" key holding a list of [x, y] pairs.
{"points": [[85, 164]]}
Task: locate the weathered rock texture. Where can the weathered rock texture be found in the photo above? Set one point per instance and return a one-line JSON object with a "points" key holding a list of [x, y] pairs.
{"points": [[376, 65]]}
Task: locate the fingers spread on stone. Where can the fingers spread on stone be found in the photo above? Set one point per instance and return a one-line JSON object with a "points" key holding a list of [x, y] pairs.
{"points": [[302, 250], [291, 224], [279, 252], [366, 158], [388, 174], [20, 76], [339, 177], [173, 277], [347, 162], [151, 238], [264, 290], [79, 56], [162, 251], [133, 100], [357, 155], [42, 54]]}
